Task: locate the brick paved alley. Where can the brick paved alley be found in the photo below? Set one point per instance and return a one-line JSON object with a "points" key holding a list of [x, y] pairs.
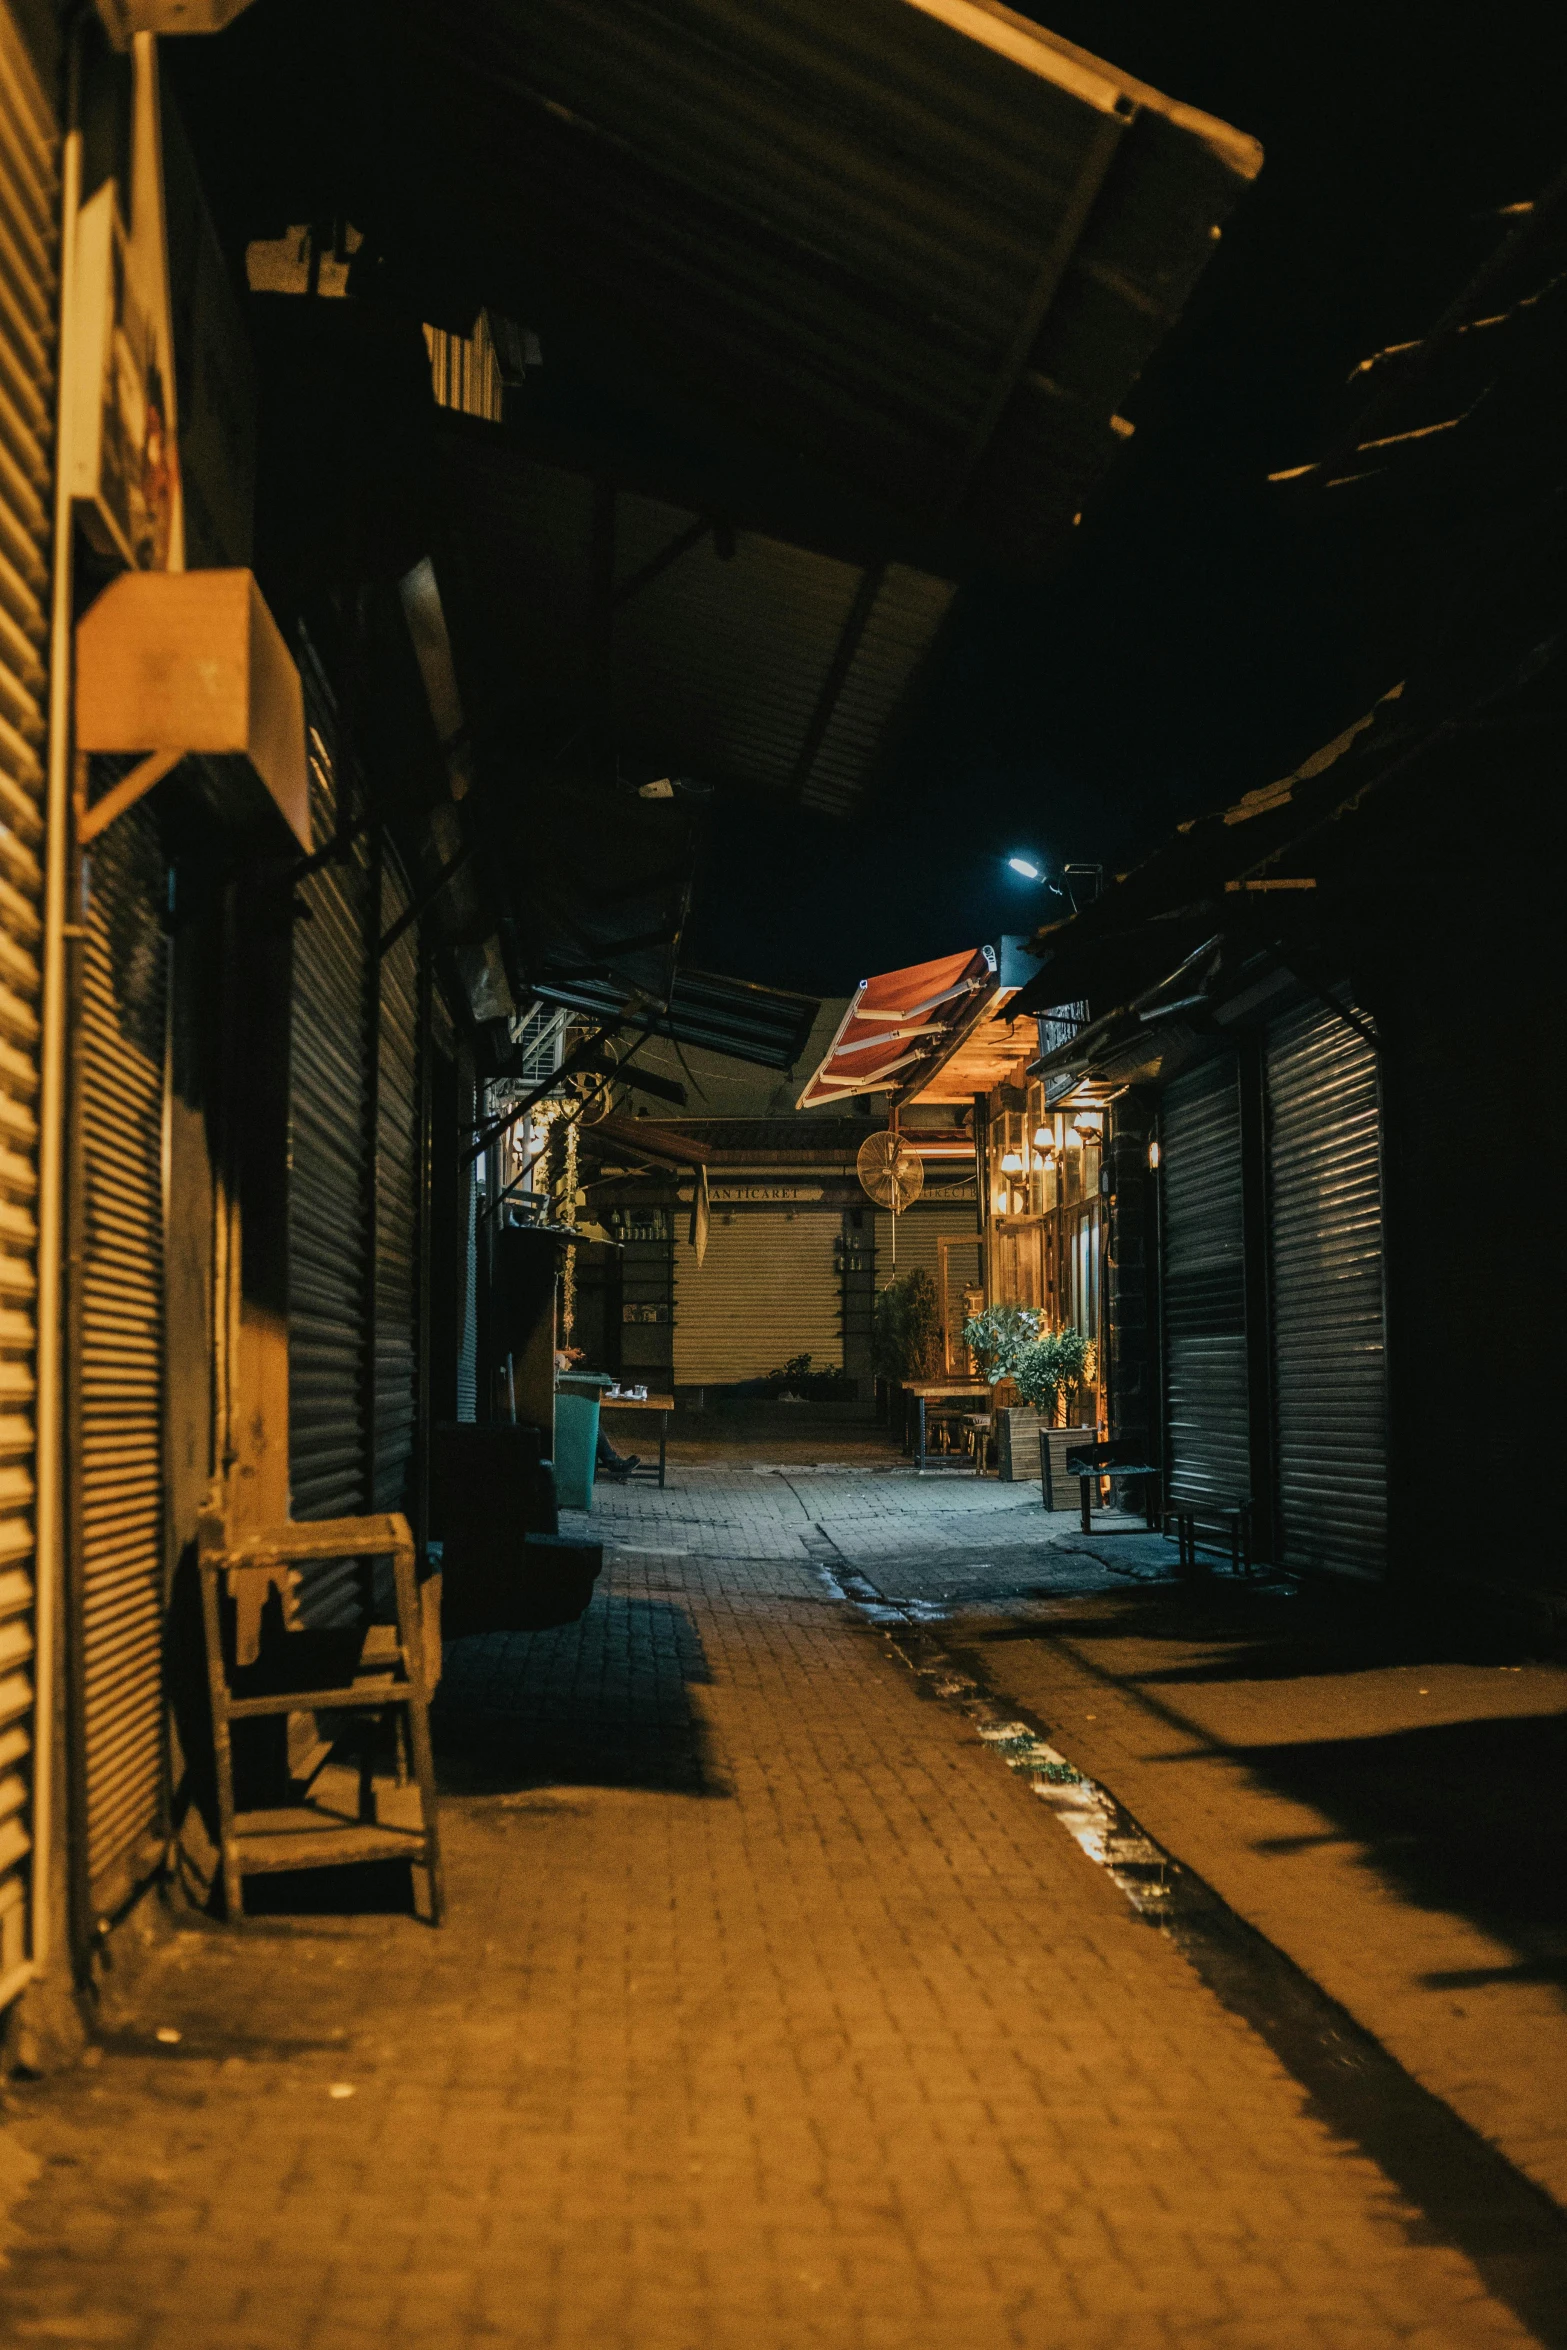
{"points": [[772, 2010]]}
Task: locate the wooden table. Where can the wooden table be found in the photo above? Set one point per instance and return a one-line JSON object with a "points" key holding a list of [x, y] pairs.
{"points": [[927, 1391], [663, 1405]]}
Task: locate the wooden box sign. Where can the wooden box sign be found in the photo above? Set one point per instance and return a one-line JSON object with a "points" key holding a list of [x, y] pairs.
{"points": [[178, 662]]}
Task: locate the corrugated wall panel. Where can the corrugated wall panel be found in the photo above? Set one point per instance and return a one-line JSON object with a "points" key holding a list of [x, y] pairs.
{"points": [[1207, 1415], [1330, 1361], [329, 1174], [123, 1014], [768, 1288], [28, 202], [397, 1212]]}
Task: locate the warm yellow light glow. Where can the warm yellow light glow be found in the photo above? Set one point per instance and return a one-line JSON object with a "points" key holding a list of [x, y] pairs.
{"points": [[1153, 1154], [1012, 1163], [1044, 1138]]}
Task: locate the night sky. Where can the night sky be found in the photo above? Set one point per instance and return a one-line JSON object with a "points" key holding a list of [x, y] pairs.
{"points": [[1209, 631]]}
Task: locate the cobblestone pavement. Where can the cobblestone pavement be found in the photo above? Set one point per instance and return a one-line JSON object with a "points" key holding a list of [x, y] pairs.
{"points": [[771, 2012]]}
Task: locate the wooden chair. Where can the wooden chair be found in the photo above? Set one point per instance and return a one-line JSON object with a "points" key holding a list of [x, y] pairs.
{"points": [[388, 1677]]}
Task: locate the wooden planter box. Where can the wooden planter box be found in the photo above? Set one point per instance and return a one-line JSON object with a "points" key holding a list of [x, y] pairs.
{"points": [[1017, 1451]]}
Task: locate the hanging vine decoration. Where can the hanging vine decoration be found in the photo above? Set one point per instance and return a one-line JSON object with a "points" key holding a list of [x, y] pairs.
{"points": [[568, 1215]]}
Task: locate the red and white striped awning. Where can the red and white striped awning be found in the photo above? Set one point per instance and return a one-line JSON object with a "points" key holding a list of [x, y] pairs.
{"points": [[901, 1025]]}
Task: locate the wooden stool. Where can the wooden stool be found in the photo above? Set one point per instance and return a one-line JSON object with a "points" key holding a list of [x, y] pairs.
{"points": [[1230, 1518], [389, 1677]]}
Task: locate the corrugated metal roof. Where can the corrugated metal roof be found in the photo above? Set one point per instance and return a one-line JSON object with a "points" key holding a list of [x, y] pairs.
{"points": [[759, 664], [763, 1025], [924, 242]]}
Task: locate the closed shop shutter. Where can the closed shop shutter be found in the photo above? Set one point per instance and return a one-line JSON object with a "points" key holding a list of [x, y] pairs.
{"points": [[1324, 1147], [397, 1211], [1206, 1414], [124, 973], [768, 1288], [469, 1103], [28, 204], [920, 1236], [329, 1178]]}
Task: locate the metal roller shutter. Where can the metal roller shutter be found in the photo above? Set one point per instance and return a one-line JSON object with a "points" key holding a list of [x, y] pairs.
{"points": [[1207, 1419], [920, 1234], [329, 1178], [28, 204], [1330, 1360], [769, 1287], [396, 1205], [124, 992]]}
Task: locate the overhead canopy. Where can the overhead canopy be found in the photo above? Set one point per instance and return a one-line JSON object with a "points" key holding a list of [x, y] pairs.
{"points": [[920, 247], [901, 1025], [991, 1052], [714, 652], [763, 1025], [923, 240], [1254, 854], [615, 1138]]}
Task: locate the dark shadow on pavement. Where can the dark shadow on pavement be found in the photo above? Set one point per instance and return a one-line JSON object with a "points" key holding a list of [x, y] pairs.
{"points": [[1467, 1817], [604, 1702], [1270, 1629]]}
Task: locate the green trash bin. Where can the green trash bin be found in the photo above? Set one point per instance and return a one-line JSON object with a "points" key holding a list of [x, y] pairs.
{"points": [[577, 1435]]}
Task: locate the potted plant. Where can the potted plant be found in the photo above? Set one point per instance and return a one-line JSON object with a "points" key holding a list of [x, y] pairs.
{"points": [[1056, 1360], [997, 1339], [1046, 1366], [906, 1337]]}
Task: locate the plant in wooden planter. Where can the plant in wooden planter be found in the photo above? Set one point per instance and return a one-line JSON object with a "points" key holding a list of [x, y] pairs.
{"points": [[907, 1334], [1056, 1361], [998, 1338]]}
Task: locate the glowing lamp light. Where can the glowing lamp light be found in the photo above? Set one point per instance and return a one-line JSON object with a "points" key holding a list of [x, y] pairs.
{"points": [[1086, 1126], [1011, 1162], [1044, 1140], [1027, 867], [1153, 1155]]}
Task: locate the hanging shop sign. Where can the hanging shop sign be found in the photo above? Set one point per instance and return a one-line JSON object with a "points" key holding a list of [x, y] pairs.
{"points": [[122, 441]]}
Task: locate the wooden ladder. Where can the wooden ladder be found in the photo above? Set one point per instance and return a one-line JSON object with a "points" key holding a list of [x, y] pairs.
{"points": [[389, 1677]]}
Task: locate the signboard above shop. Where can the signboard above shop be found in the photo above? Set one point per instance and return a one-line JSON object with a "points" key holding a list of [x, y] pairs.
{"points": [[734, 1195]]}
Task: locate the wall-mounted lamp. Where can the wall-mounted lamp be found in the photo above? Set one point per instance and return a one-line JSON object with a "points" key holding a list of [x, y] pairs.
{"points": [[1086, 1126], [1011, 1162], [1153, 1155], [1044, 1139]]}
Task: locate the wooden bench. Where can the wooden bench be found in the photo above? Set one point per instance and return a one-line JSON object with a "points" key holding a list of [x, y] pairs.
{"points": [[1232, 1519], [1121, 1457]]}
